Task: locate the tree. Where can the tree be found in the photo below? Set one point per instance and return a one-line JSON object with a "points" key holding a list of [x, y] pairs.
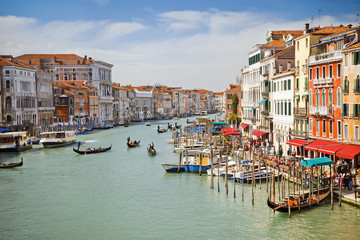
{"points": [[235, 103]]}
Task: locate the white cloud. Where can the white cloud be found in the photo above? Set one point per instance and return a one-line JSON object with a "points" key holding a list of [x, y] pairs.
{"points": [[210, 55]]}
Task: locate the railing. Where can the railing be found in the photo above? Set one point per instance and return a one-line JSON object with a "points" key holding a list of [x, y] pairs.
{"points": [[8, 89], [329, 80], [300, 111], [315, 81], [329, 56], [321, 80], [321, 110], [265, 113], [301, 134]]}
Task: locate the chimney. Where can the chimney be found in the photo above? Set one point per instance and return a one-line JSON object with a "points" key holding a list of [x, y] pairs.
{"points": [[274, 69], [280, 68], [350, 25], [288, 66], [307, 30], [85, 57]]}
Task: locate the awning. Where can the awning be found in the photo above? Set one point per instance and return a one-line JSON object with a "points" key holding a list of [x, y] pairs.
{"points": [[252, 109], [219, 123], [348, 152], [244, 125], [331, 148], [316, 162], [297, 142], [262, 101], [258, 133], [315, 145]]}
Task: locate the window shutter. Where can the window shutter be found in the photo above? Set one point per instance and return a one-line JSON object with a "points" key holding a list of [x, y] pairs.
{"points": [[342, 110]]}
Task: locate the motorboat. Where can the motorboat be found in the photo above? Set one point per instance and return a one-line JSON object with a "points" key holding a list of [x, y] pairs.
{"points": [[14, 142], [57, 139]]}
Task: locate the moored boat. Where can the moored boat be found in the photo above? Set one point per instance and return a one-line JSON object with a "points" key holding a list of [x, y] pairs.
{"points": [[173, 167], [14, 142], [57, 139]]}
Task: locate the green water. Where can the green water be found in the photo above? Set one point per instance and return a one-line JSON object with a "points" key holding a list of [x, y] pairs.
{"points": [[126, 194]]}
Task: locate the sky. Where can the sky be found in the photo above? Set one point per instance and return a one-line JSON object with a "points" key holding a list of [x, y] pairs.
{"points": [[193, 44]]}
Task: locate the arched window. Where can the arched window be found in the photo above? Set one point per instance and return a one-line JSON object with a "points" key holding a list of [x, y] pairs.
{"points": [[346, 85], [357, 84], [338, 97], [8, 102], [8, 119], [323, 97], [7, 84], [317, 97], [310, 97], [330, 96]]}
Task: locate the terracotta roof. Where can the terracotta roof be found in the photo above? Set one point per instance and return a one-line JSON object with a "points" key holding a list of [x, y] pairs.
{"points": [[275, 43], [354, 46], [5, 62], [331, 30], [285, 71], [59, 59], [288, 49], [295, 33]]}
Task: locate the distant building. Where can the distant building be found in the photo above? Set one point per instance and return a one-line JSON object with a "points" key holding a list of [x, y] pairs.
{"points": [[234, 89]]}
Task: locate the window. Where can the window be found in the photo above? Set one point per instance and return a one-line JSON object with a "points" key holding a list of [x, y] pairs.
{"points": [[346, 59], [357, 84], [229, 107], [317, 73], [310, 97], [356, 109], [7, 84], [310, 126], [310, 74], [346, 85], [317, 97], [285, 108], [323, 72], [339, 128], [356, 132], [65, 77], [74, 76], [297, 45], [7, 72], [356, 58], [330, 127], [282, 108], [323, 97], [345, 110], [285, 87], [323, 128], [274, 87], [317, 127], [346, 131], [229, 96], [330, 96], [307, 42], [330, 71], [289, 84], [338, 70], [339, 97], [289, 111], [297, 84]]}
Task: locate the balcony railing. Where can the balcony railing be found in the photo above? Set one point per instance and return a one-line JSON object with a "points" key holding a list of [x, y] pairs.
{"points": [[326, 57], [321, 110], [329, 80], [300, 111], [315, 81], [301, 134], [265, 113]]}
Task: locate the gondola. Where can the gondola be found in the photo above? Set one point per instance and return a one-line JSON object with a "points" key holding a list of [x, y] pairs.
{"points": [[162, 130], [152, 151], [92, 150], [304, 202], [133, 145], [170, 126], [187, 121], [12, 164], [126, 124]]}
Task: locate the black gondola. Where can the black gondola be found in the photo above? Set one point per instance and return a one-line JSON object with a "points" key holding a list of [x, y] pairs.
{"points": [[11, 165], [187, 121], [161, 130], [126, 124], [304, 202], [133, 144], [170, 126], [92, 150], [151, 149]]}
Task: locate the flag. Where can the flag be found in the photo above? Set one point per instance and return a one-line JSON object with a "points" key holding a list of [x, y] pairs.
{"points": [[108, 93]]}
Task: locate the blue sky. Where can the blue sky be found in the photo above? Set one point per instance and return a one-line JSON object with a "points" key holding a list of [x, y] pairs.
{"points": [[193, 44]]}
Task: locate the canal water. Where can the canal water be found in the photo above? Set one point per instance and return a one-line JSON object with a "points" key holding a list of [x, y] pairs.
{"points": [[126, 194]]}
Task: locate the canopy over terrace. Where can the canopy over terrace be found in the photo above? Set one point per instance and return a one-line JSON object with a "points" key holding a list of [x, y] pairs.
{"points": [[331, 148], [348, 152], [315, 145], [316, 162], [297, 142], [258, 133]]}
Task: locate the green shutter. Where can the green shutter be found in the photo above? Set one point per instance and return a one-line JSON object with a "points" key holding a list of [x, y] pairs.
{"points": [[342, 109], [355, 57], [289, 84]]}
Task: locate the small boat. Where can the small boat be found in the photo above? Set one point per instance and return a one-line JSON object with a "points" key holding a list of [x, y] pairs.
{"points": [[151, 149], [80, 131], [34, 140], [134, 144], [88, 129], [161, 130], [147, 124], [12, 164], [126, 124], [173, 167], [92, 150], [304, 201], [177, 126], [57, 139], [187, 121]]}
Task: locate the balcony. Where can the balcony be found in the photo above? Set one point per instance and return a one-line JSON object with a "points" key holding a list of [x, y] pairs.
{"points": [[325, 57], [265, 113], [321, 80], [265, 94], [315, 81], [300, 112], [299, 134], [329, 80], [321, 111], [8, 89]]}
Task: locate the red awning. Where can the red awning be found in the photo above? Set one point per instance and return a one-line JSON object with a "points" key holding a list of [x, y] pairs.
{"points": [[258, 133], [331, 148], [232, 133], [348, 152], [244, 125], [227, 129], [297, 142], [315, 145]]}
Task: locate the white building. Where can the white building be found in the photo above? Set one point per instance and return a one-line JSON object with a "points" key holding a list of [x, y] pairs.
{"points": [[143, 105], [283, 115]]}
